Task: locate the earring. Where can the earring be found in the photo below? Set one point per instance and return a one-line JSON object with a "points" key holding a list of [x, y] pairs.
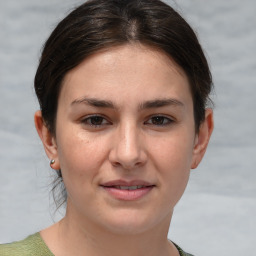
{"points": [[52, 162]]}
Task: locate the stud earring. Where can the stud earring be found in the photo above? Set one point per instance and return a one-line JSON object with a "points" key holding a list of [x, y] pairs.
{"points": [[52, 162]]}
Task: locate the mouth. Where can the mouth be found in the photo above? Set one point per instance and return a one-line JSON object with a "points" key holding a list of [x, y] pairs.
{"points": [[129, 187], [127, 191]]}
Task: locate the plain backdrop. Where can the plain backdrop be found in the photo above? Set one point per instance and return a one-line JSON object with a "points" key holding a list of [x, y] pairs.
{"points": [[217, 214]]}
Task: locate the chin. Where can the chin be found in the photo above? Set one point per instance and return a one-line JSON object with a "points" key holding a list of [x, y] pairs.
{"points": [[131, 223]]}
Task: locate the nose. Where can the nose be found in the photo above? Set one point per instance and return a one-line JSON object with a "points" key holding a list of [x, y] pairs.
{"points": [[128, 148]]}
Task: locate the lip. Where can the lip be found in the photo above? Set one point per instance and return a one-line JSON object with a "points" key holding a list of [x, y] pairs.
{"points": [[112, 189], [126, 183]]}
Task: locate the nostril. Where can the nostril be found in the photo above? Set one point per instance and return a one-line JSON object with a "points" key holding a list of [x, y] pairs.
{"points": [[116, 164], [128, 162], [127, 153]]}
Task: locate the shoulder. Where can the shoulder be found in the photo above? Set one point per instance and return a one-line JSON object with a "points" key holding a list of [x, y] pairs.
{"points": [[31, 246], [181, 252]]}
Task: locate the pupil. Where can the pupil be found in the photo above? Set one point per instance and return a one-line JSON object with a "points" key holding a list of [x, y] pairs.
{"points": [[97, 120], [158, 120]]}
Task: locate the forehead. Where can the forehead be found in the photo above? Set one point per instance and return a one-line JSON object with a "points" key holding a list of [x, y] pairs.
{"points": [[126, 72]]}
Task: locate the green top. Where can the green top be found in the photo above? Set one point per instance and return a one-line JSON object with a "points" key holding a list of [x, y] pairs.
{"points": [[35, 246], [31, 246]]}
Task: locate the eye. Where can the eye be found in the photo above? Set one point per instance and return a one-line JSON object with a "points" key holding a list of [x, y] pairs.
{"points": [[159, 121], [95, 121]]}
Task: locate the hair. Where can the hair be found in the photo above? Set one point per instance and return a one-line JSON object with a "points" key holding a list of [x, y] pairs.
{"points": [[101, 24]]}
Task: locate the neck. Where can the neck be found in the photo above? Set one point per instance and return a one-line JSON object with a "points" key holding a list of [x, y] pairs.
{"points": [[70, 236]]}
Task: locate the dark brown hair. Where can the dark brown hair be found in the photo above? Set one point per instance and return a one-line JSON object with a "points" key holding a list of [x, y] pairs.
{"points": [[100, 24]]}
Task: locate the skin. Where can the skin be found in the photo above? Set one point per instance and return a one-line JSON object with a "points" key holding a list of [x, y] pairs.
{"points": [[143, 130]]}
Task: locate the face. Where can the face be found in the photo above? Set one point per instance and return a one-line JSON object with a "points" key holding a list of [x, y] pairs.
{"points": [[125, 139]]}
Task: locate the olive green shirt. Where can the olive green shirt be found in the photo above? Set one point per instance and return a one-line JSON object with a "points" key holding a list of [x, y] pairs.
{"points": [[35, 246]]}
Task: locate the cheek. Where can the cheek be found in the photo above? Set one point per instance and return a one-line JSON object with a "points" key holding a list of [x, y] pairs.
{"points": [[172, 158], [80, 155], [174, 152], [80, 161]]}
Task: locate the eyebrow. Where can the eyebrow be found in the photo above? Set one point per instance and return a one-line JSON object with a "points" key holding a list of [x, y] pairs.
{"points": [[94, 102], [157, 103]]}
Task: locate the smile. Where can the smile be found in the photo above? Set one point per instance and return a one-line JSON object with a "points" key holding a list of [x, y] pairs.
{"points": [[128, 187], [127, 191]]}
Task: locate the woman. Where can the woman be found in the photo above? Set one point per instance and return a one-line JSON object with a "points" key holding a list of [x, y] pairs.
{"points": [[123, 87]]}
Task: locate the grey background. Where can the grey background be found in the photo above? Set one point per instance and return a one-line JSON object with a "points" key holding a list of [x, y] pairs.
{"points": [[216, 215]]}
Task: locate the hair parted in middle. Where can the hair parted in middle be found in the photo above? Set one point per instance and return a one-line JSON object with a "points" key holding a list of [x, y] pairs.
{"points": [[98, 25]]}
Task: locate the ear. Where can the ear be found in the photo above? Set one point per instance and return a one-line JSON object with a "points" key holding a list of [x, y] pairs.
{"points": [[202, 138], [48, 140]]}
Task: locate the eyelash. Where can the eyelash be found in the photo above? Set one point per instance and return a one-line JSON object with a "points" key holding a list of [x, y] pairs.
{"points": [[164, 121], [88, 121]]}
